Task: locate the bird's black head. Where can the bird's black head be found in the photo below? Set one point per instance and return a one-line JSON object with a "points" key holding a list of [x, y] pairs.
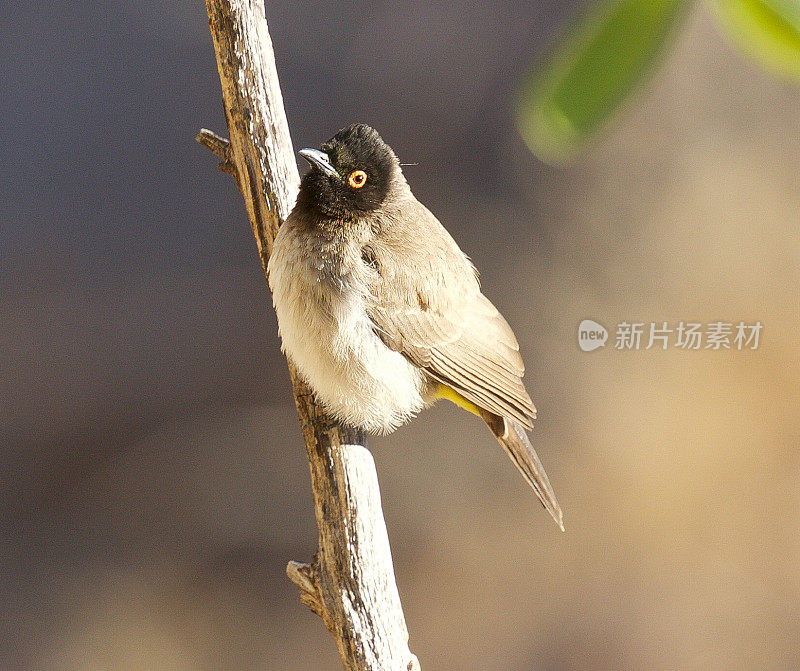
{"points": [[351, 176]]}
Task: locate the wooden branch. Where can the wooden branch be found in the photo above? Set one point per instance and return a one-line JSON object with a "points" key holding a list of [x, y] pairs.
{"points": [[350, 582]]}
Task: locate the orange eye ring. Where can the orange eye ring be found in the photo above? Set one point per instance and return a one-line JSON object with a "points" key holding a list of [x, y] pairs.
{"points": [[357, 179]]}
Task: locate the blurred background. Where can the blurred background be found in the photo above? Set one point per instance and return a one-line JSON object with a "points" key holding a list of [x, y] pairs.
{"points": [[153, 483]]}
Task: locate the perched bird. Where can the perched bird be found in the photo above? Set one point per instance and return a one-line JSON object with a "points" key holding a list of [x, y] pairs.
{"points": [[382, 313]]}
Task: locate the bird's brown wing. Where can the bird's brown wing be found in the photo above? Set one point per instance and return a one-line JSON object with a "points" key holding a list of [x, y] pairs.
{"points": [[465, 344]]}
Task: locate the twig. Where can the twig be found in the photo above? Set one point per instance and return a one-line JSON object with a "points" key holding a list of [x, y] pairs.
{"points": [[220, 146], [350, 582]]}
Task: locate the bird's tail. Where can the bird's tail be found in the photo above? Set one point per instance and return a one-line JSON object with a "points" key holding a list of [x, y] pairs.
{"points": [[514, 440]]}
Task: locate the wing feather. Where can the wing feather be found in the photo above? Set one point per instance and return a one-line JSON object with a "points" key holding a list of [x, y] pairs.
{"points": [[429, 307]]}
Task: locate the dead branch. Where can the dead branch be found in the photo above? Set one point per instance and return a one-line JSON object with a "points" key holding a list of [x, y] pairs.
{"points": [[350, 582]]}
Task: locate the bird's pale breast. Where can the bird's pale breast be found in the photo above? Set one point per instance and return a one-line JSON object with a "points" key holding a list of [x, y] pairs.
{"points": [[320, 296]]}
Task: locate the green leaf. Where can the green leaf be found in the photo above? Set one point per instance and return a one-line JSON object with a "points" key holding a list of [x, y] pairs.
{"points": [[767, 30], [591, 71]]}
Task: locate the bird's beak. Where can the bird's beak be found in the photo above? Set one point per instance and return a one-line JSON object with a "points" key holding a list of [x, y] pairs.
{"points": [[319, 160]]}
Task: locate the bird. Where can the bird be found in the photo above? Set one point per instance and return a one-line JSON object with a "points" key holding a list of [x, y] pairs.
{"points": [[382, 313]]}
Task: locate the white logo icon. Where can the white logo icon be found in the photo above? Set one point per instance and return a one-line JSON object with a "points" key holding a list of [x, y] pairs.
{"points": [[591, 335]]}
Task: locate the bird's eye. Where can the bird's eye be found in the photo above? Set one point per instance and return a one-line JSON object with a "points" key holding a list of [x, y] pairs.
{"points": [[357, 179]]}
